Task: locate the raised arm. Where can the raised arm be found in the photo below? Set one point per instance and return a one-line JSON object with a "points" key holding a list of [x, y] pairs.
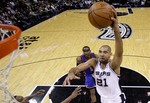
{"points": [[118, 55], [74, 94]]}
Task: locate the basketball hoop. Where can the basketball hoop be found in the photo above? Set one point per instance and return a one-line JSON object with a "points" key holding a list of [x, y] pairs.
{"points": [[9, 43]]}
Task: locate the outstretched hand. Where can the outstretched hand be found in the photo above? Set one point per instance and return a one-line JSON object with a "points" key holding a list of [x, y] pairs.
{"points": [[76, 92], [114, 19], [70, 77]]}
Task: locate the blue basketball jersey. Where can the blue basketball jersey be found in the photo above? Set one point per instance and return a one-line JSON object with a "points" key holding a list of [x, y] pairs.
{"points": [[89, 81], [83, 59]]}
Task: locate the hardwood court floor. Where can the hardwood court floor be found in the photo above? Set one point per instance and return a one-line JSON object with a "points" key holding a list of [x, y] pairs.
{"points": [[60, 41]]}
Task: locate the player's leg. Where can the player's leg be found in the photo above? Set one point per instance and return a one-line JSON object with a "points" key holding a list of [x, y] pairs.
{"points": [[93, 95], [90, 83]]}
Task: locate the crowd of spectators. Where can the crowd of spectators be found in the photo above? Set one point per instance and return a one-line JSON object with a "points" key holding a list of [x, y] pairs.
{"points": [[27, 13]]}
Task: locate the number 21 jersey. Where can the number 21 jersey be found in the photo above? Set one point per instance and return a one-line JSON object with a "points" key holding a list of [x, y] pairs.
{"points": [[107, 81]]}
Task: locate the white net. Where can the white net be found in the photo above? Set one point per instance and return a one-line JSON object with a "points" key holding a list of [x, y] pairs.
{"points": [[4, 74], [5, 95], [5, 34]]}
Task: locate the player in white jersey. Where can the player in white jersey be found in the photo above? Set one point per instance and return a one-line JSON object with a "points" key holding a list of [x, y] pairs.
{"points": [[107, 84], [106, 70]]}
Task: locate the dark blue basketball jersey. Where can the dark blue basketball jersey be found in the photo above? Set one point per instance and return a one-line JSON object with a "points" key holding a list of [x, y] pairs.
{"points": [[83, 59], [89, 81]]}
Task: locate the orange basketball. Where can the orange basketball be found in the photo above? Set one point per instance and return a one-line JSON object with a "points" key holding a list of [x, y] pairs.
{"points": [[100, 14]]}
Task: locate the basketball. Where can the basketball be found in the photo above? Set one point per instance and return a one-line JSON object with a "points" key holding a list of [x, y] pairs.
{"points": [[100, 14]]}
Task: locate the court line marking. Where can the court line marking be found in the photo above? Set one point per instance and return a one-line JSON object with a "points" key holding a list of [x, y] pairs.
{"points": [[70, 57]]}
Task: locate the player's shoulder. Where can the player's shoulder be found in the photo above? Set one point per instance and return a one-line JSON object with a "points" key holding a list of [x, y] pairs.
{"points": [[96, 55], [78, 58], [94, 60]]}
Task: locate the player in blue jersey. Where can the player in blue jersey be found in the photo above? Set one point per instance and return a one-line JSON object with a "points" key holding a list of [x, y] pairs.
{"points": [[89, 81]]}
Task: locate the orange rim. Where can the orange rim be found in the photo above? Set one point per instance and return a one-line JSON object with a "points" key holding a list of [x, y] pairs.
{"points": [[9, 44]]}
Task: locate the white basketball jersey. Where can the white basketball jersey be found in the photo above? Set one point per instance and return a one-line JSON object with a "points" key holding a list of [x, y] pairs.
{"points": [[107, 81]]}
